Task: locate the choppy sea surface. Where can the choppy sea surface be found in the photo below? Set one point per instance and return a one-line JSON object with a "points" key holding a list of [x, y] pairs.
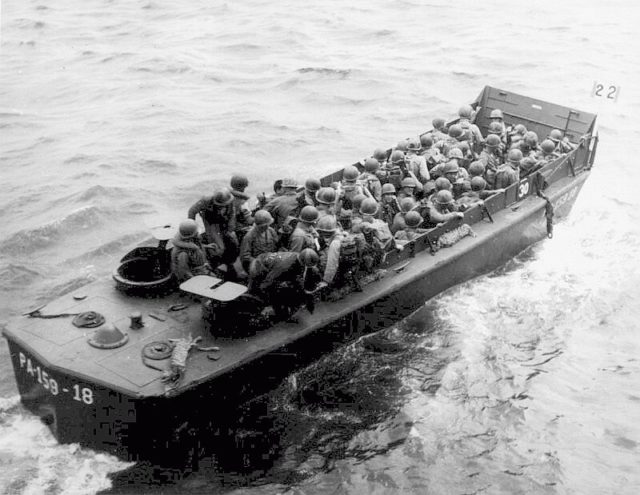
{"points": [[115, 115]]}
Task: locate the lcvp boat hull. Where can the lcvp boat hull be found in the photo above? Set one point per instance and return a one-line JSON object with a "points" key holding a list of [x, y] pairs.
{"points": [[80, 410]]}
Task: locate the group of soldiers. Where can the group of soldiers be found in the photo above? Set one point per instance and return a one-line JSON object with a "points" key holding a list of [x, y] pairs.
{"points": [[302, 239]]}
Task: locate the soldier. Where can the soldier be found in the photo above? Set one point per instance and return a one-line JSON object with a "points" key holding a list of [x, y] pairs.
{"points": [[406, 205], [416, 164], [411, 230], [508, 173], [280, 279], [350, 188], [262, 238], [381, 156], [370, 178], [219, 218], [307, 197], [529, 144], [330, 248], [187, 256], [304, 235], [395, 168], [444, 208], [529, 165], [456, 135], [563, 145], [410, 188], [496, 116], [281, 206], [439, 131], [429, 151], [516, 135], [376, 232], [389, 203], [491, 158], [356, 217], [547, 151], [327, 201], [244, 219], [472, 133]]}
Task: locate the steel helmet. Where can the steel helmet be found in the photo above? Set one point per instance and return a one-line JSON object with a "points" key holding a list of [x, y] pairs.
{"points": [[443, 183], [478, 184], [555, 135], [413, 144], [413, 219], [451, 167], [531, 138], [455, 131], [380, 154], [492, 141], [476, 168], [239, 182], [371, 165], [308, 257], [288, 182], [496, 114], [494, 128], [312, 185], [351, 173], [402, 145], [369, 207], [309, 214], [327, 224], [397, 156], [388, 189], [357, 200], [465, 112], [456, 153], [527, 164], [521, 129], [547, 146], [438, 123], [407, 182], [262, 217], [188, 228], [514, 156], [464, 147], [444, 197], [326, 195], [222, 196], [407, 204], [426, 141]]}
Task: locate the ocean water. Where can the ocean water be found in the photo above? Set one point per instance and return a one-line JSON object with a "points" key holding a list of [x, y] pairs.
{"points": [[117, 115]]}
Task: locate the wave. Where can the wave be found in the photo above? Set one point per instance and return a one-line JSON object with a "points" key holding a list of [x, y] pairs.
{"points": [[150, 165], [17, 276], [30, 240], [324, 71], [116, 247], [33, 462], [160, 66]]}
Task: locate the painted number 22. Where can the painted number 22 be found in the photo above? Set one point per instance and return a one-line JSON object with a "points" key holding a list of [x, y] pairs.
{"points": [[609, 92]]}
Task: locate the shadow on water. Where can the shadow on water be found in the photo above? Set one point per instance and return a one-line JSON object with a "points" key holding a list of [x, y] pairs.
{"points": [[346, 405]]}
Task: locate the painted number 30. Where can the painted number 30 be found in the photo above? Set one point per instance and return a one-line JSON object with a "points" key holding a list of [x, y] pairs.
{"points": [[609, 92], [523, 189]]}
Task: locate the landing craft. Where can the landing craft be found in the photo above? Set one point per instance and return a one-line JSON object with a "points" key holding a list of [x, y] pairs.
{"points": [[91, 364]]}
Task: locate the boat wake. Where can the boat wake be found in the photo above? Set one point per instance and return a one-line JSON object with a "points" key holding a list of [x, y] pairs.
{"points": [[34, 463]]}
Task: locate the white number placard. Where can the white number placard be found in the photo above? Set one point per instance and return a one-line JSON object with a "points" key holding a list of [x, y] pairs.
{"points": [[605, 91]]}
